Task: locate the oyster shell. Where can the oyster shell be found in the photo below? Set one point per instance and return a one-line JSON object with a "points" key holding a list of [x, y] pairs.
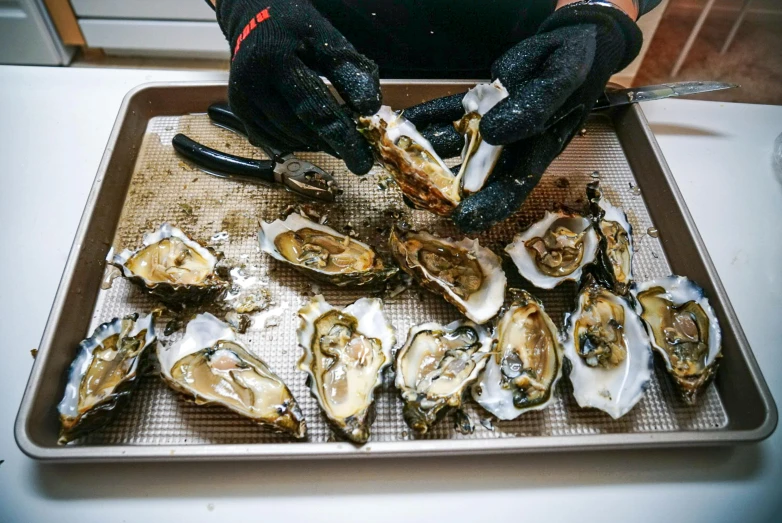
{"points": [[210, 367], [421, 174], [615, 256], [554, 249], [345, 352], [522, 373], [172, 267], [322, 253], [464, 273], [608, 350], [478, 157], [683, 329], [104, 374], [435, 367]]}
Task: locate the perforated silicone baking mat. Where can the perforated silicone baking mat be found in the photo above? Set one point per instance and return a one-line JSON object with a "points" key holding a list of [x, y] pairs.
{"points": [[225, 215]]}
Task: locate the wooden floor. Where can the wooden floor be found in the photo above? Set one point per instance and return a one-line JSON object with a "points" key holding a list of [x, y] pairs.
{"points": [[754, 60]]}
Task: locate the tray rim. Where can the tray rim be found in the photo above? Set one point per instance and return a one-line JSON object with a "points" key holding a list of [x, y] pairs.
{"points": [[439, 447]]}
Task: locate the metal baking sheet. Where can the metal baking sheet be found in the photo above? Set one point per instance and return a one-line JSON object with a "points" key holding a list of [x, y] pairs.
{"points": [[616, 149]]}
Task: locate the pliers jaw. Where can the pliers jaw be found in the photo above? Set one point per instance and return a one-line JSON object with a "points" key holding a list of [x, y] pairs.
{"points": [[305, 179]]}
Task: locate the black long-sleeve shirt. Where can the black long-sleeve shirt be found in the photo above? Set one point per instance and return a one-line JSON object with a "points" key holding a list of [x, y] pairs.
{"points": [[438, 38]]}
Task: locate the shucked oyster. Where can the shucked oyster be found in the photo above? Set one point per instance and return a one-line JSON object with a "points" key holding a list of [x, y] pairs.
{"points": [[615, 259], [345, 352], [683, 329], [209, 366], [555, 249], [478, 157], [172, 267], [104, 374], [464, 273], [435, 367], [609, 352], [522, 373], [420, 173], [322, 253]]}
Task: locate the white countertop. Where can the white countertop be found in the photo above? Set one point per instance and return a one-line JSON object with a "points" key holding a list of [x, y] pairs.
{"points": [[54, 127]]}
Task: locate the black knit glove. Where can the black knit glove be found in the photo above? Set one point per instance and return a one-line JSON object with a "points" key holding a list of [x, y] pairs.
{"points": [[554, 79], [279, 49]]}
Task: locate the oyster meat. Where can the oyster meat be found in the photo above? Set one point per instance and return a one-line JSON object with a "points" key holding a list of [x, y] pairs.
{"points": [[104, 374], [345, 353], [522, 373], [683, 329], [322, 253], [464, 273], [608, 350], [615, 233], [172, 267], [421, 174], [478, 157], [554, 249], [210, 367], [435, 367]]}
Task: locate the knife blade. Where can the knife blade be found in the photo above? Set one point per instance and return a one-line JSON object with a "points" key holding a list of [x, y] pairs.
{"points": [[614, 97]]}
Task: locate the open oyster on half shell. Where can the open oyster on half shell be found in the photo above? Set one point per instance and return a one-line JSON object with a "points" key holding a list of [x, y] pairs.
{"points": [[322, 253], [172, 267], [683, 329], [615, 256], [210, 367], [464, 273], [436, 366], [554, 249], [522, 372], [104, 374], [421, 174], [345, 353], [609, 352], [478, 157]]}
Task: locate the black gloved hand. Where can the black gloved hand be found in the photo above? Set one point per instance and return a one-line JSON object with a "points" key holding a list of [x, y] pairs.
{"points": [[279, 47], [554, 79]]}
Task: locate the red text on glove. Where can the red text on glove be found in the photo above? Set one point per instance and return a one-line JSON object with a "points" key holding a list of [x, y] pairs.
{"points": [[254, 21]]}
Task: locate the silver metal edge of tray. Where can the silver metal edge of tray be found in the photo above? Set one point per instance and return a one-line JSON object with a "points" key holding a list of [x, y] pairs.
{"points": [[378, 449]]}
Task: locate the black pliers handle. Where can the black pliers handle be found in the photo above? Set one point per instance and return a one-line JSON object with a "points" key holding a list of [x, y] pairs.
{"points": [[298, 176]]}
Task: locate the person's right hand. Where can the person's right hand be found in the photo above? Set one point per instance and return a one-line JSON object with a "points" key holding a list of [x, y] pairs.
{"points": [[279, 49]]}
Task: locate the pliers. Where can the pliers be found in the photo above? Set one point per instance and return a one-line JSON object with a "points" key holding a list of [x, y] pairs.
{"points": [[283, 168]]}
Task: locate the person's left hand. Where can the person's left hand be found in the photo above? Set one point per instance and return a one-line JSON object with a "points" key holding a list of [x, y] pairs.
{"points": [[553, 79]]}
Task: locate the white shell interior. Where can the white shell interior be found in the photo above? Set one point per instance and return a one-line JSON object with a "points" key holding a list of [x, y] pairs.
{"points": [[614, 391], [293, 222], [409, 363], [201, 332], [483, 305], [680, 290], [480, 99], [166, 230], [499, 400], [615, 214], [525, 260], [397, 126], [372, 323], [68, 406]]}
